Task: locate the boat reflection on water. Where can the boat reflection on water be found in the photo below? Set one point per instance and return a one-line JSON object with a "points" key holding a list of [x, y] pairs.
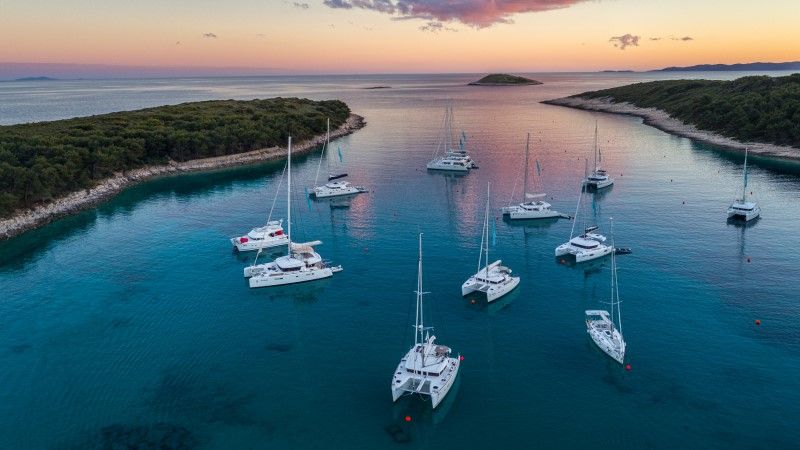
{"points": [[739, 223], [532, 224], [598, 194], [299, 293], [588, 267]]}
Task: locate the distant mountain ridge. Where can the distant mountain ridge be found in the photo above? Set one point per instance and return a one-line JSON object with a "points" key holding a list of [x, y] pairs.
{"points": [[792, 65]]}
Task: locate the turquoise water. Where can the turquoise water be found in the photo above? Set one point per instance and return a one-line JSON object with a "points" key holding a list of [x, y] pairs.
{"points": [[131, 322]]}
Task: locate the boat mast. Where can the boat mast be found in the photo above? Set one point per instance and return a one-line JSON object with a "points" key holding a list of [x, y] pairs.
{"points": [[577, 208], [322, 156], [614, 280], [485, 233], [595, 146], [450, 128], [525, 183], [289, 196], [418, 326], [744, 181]]}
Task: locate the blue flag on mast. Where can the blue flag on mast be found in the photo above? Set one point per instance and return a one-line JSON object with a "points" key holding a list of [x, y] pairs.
{"points": [[341, 158], [538, 168]]}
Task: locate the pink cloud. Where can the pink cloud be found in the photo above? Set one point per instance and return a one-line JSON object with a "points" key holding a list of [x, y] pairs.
{"points": [[477, 13]]}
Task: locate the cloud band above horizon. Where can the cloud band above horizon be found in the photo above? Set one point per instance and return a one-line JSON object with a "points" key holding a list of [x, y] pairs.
{"points": [[476, 13]]}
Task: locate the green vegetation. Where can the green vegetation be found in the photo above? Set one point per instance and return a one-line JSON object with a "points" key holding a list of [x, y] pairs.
{"points": [[42, 161], [750, 109], [503, 79]]}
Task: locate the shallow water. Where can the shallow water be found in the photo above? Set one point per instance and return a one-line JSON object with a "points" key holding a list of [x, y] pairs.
{"points": [[135, 313]]}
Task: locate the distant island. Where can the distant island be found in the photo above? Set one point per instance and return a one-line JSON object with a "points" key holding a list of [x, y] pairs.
{"points": [[617, 71], [756, 66], [49, 169], [377, 87], [757, 112], [503, 79], [35, 79]]}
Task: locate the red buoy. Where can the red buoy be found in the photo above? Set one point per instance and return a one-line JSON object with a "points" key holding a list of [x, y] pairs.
{"points": [[461, 358], [408, 418], [758, 322], [472, 301], [628, 367]]}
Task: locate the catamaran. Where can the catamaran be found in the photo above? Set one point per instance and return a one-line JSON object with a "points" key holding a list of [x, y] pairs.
{"points": [[492, 279], [600, 323], [598, 179], [335, 185], [427, 369], [589, 245], [531, 207], [270, 235], [741, 208], [301, 263], [445, 156]]}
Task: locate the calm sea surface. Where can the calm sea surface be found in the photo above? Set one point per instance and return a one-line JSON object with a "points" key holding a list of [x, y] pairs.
{"points": [[131, 323]]}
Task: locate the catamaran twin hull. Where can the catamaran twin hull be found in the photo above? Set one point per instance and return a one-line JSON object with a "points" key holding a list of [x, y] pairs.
{"points": [[582, 255], [598, 184], [448, 166], [245, 244], [518, 212], [434, 386], [744, 211], [268, 278]]}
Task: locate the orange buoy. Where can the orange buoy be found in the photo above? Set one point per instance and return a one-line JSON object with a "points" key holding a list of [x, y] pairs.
{"points": [[628, 367], [758, 322], [408, 418]]}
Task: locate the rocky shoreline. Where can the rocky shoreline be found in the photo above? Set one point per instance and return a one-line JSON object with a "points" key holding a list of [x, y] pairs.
{"points": [[79, 201], [663, 121]]}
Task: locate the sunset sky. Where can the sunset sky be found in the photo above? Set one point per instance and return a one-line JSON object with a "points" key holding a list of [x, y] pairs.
{"points": [[398, 36]]}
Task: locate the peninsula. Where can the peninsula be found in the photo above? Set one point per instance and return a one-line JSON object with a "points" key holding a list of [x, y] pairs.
{"points": [[502, 79], [756, 112], [52, 169]]}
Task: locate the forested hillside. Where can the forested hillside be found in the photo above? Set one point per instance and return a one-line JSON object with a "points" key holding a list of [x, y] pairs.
{"points": [[41, 161]]}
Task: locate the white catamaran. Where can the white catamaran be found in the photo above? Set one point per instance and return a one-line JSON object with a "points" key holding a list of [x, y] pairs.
{"points": [[427, 369], [492, 279], [300, 264], [598, 179], [335, 186], [532, 207], [270, 235], [445, 157], [741, 208], [600, 323], [587, 246]]}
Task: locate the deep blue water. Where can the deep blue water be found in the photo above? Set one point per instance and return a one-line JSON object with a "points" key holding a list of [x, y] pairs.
{"points": [[131, 322]]}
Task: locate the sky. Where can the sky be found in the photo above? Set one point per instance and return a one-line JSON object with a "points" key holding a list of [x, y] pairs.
{"points": [[390, 36]]}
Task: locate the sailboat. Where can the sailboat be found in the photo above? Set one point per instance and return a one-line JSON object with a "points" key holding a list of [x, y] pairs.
{"points": [[531, 207], [270, 235], [741, 208], [445, 156], [598, 179], [301, 263], [335, 185], [492, 279], [600, 323], [587, 246], [427, 369]]}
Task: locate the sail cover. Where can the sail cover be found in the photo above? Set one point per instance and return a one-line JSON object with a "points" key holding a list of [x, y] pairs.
{"points": [[532, 196], [305, 247]]}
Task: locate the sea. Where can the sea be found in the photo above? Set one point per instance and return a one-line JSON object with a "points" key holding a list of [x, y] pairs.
{"points": [[130, 325]]}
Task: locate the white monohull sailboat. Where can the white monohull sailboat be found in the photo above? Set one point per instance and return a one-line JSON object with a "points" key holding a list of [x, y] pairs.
{"points": [[335, 186], [600, 324], [301, 263], [492, 279], [533, 205], [599, 178], [427, 369], [741, 208]]}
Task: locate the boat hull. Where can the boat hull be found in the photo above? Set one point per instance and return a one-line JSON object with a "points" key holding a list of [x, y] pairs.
{"points": [[280, 279], [328, 193], [447, 168], [583, 256], [599, 184], [402, 384], [746, 216], [253, 245], [493, 292], [530, 215]]}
